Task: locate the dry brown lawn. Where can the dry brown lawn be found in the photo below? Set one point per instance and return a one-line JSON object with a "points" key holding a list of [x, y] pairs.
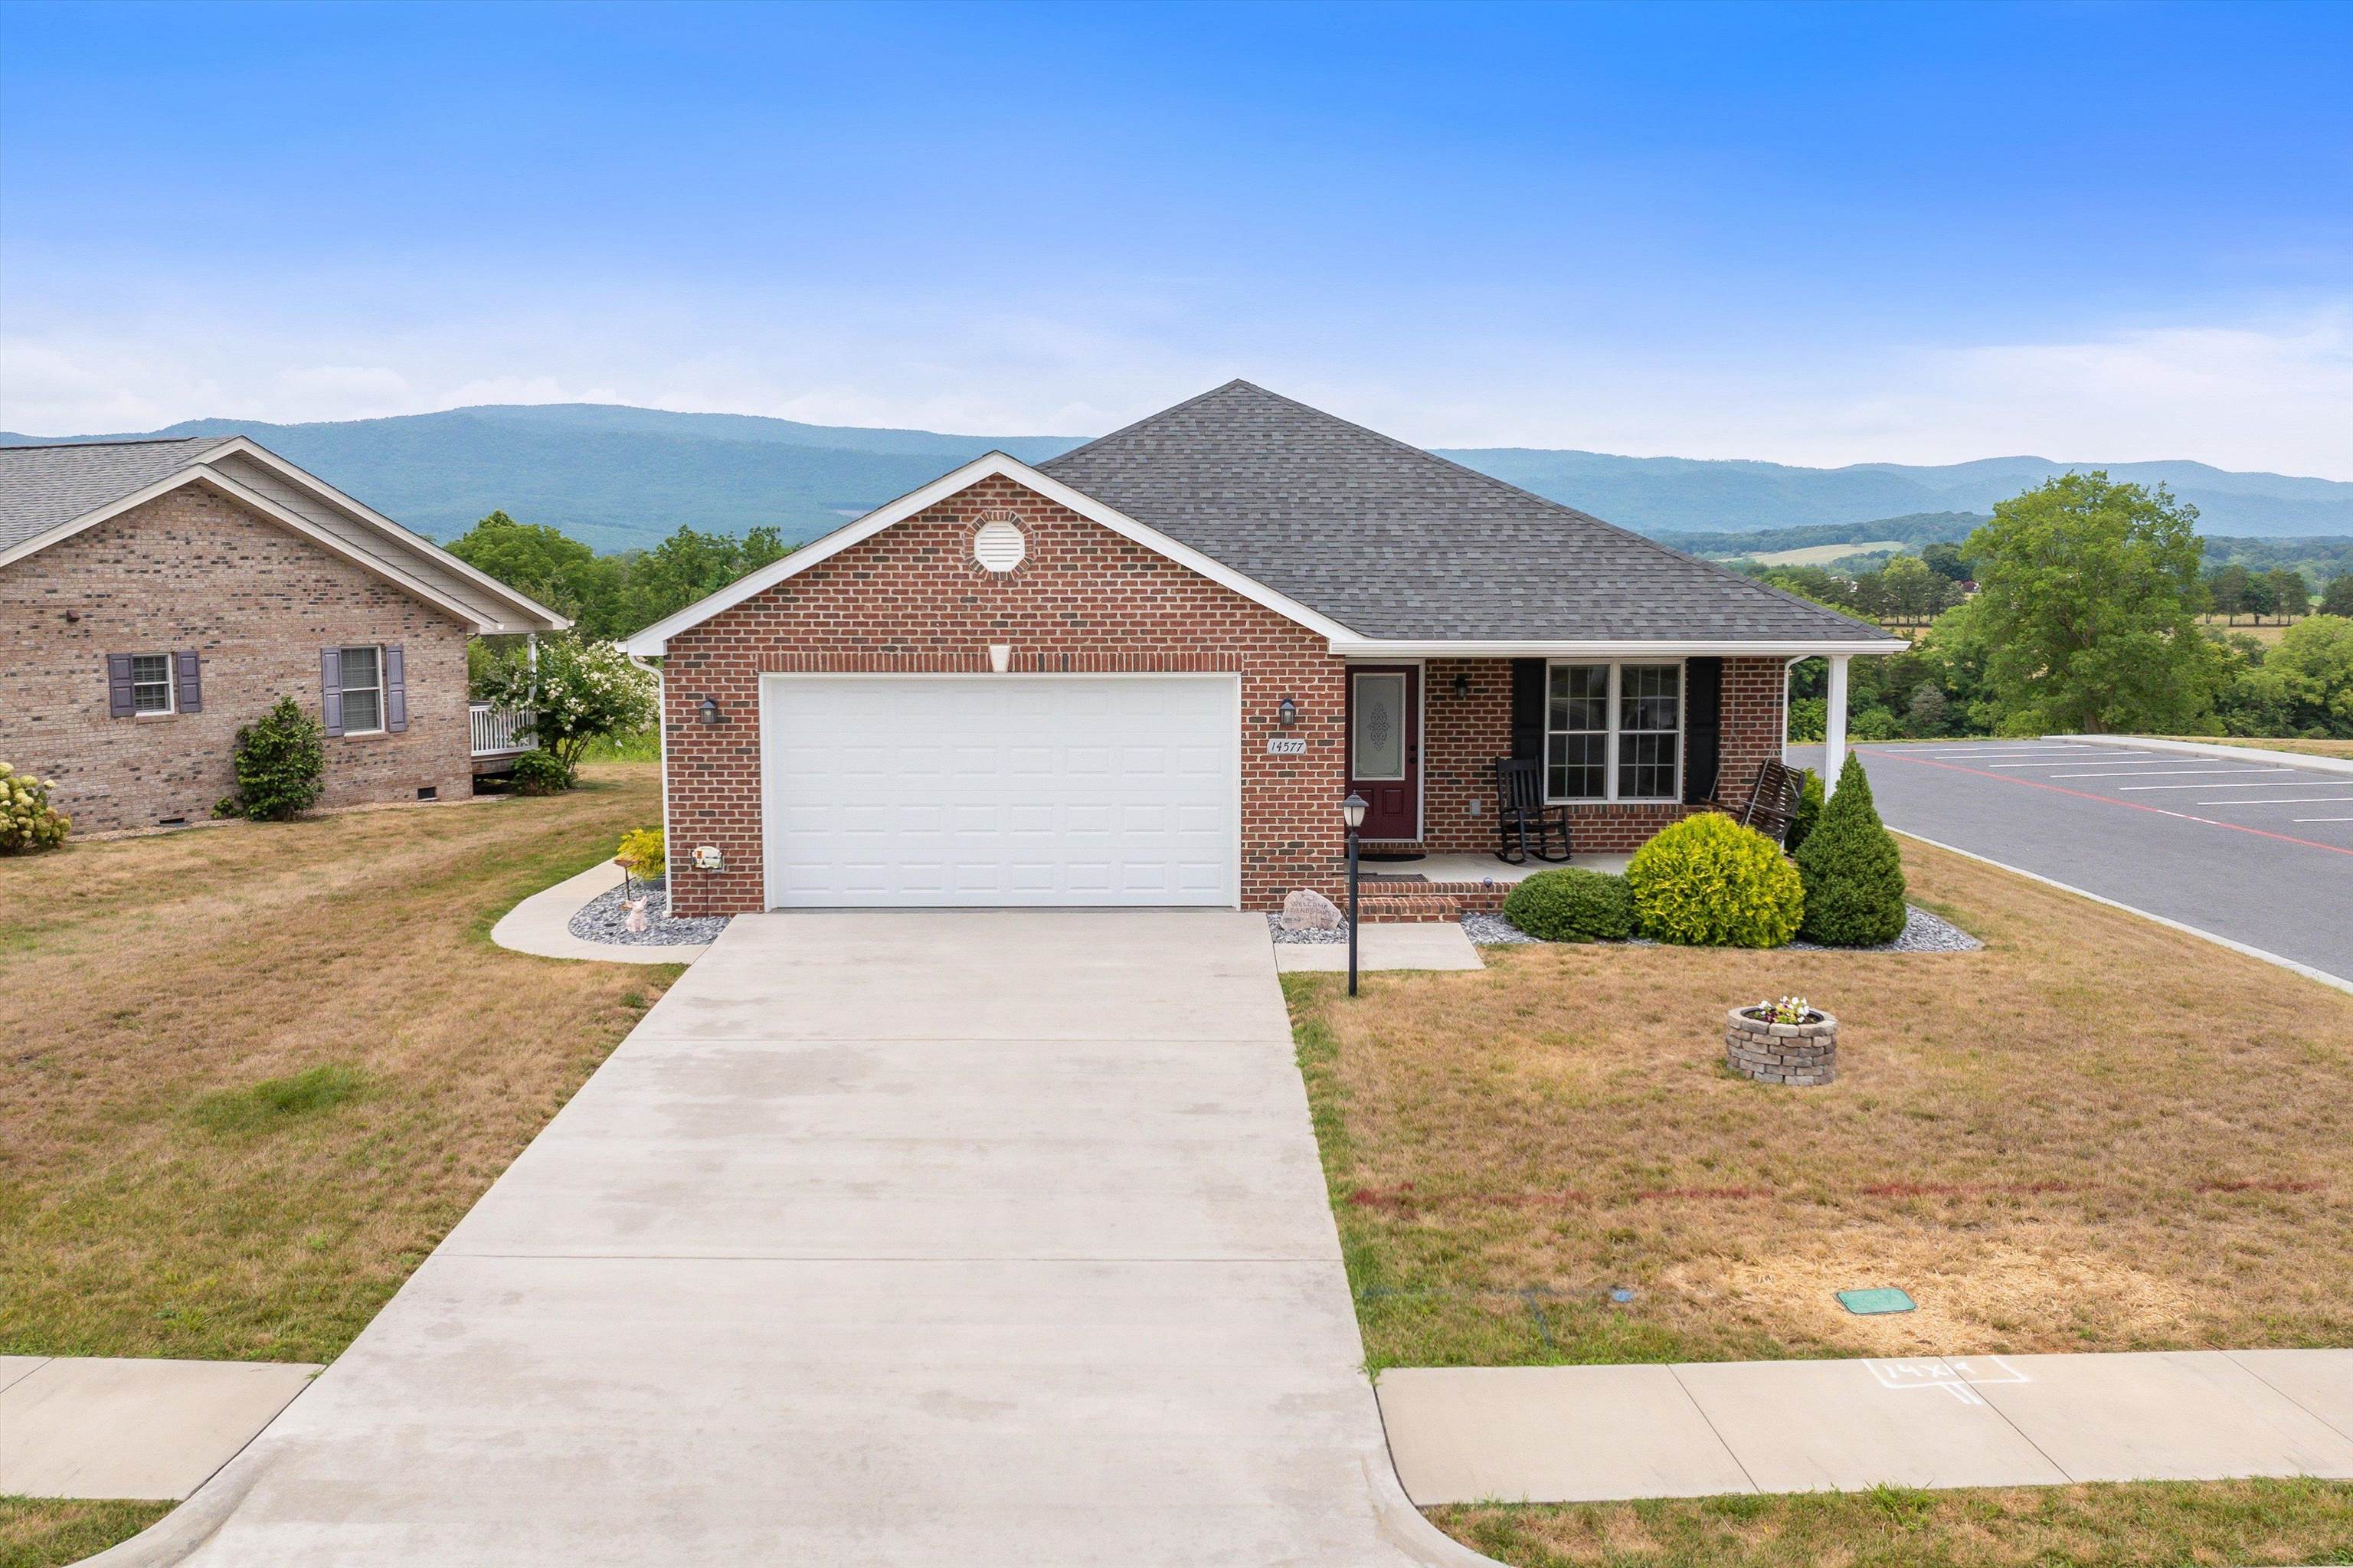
{"points": [[253, 1073], [2095, 1134], [2152, 1524], [2307, 748]]}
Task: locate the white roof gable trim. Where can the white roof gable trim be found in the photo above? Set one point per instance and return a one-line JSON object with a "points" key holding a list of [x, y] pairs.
{"points": [[655, 639], [530, 615]]}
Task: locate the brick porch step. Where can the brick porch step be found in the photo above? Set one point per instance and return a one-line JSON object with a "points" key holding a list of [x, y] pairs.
{"points": [[1396, 901]]}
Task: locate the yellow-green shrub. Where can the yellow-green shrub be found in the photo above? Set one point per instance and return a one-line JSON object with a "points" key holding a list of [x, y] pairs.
{"points": [[1707, 881], [27, 822], [642, 852]]}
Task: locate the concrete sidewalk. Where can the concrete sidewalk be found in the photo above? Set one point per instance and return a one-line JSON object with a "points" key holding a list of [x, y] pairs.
{"points": [[1601, 1434], [985, 1238], [105, 1426], [1404, 945], [542, 925]]}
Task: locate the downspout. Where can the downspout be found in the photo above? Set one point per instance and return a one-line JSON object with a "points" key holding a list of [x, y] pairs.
{"points": [[661, 733]]}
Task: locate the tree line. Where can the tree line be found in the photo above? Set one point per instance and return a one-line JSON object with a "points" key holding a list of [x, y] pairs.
{"points": [[609, 597]]}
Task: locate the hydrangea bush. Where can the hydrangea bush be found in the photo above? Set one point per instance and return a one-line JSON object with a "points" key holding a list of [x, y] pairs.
{"points": [[29, 822], [581, 692]]}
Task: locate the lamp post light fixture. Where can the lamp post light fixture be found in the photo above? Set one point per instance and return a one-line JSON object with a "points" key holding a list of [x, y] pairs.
{"points": [[710, 706], [1352, 813]]}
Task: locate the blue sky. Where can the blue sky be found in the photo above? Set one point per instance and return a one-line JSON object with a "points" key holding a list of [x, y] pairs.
{"points": [[1813, 234]]}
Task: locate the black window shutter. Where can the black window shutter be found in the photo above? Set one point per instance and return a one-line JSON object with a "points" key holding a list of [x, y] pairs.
{"points": [[188, 671], [395, 689], [117, 686], [1527, 710], [1703, 728]]}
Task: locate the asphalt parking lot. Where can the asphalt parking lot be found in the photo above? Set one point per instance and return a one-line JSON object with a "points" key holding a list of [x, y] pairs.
{"points": [[2249, 849]]}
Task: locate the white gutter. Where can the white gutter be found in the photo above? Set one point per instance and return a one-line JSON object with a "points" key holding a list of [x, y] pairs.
{"points": [[1368, 648]]}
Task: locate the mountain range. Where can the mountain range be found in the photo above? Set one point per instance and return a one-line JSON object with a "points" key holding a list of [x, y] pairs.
{"points": [[621, 478]]}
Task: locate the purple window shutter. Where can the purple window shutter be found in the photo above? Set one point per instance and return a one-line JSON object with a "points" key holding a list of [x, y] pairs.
{"points": [[395, 689], [189, 672], [117, 685], [331, 690]]}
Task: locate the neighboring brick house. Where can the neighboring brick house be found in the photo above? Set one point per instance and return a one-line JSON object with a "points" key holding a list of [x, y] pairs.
{"points": [[154, 596], [1149, 670]]}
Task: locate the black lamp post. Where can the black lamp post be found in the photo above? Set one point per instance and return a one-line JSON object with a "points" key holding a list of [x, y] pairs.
{"points": [[1352, 812]]}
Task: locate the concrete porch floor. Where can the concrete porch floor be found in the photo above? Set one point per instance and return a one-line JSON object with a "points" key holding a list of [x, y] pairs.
{"points": [[1487, 867]]}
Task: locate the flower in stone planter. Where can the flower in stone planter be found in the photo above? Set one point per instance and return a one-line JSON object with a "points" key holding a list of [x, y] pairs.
{"points": [[1789, 1010]]}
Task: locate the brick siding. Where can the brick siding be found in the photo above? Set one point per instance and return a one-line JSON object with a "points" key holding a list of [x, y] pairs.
{"points": [[194, 570], [911, 600]]}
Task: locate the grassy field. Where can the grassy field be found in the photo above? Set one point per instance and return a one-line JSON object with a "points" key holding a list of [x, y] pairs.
{"points": [[2096, 1134], [2343, 748], [255, 1072], [2155, 1524], [1823, 555], [39, 1533]]}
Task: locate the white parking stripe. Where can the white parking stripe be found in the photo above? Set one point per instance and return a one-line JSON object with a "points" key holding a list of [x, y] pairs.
{"points": [[2291, 800], [2079, 761], [2324, 819], [2299, 782], [2170, 772]]}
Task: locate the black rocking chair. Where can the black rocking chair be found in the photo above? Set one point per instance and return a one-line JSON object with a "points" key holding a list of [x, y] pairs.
{"points": [[1521, 815], [1772, 808]]}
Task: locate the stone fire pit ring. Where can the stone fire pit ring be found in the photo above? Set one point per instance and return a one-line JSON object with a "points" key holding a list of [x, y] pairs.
{"points": [[1803, 1055]]}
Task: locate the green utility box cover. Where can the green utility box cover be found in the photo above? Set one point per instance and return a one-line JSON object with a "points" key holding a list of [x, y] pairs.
{"points": [[1886, 1298]]}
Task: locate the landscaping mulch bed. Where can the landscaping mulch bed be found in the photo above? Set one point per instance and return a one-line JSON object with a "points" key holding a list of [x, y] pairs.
{"points": [[1312, 939], [605, 918], [1923, 932]]}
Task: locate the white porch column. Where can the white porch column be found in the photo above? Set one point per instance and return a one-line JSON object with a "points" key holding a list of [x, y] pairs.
{"points": [[1834, 726]]}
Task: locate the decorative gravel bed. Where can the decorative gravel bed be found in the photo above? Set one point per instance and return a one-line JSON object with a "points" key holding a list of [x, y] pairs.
{"points": [[1337, 934], [604, 919], [1923, 932]]}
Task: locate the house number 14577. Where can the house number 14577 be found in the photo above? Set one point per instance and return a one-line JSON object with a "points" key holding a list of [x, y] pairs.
{"points": [[1286, 745]]}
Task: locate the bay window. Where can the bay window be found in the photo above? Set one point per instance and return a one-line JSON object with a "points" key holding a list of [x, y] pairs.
{"points": [[1614, 732]]}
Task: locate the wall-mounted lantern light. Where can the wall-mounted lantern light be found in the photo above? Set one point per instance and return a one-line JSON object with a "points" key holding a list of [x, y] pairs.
{"points": [[710, 706], [1286, 713], [1462, 683]]}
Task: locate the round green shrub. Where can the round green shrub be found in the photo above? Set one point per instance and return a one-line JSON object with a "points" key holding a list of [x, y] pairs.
{"points": [[280, 760], [1707, 881], [540, 773], [1572, 905], [1852, 871], [28, 823]]}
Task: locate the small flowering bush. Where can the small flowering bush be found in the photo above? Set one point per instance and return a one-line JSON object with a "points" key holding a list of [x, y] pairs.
{"points": [[29, 822], [581, 692], [1789, 1010]]}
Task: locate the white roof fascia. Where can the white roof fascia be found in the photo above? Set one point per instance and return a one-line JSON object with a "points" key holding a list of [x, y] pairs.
{"points": [[244, 446], [1665, 648], [655, 639]]}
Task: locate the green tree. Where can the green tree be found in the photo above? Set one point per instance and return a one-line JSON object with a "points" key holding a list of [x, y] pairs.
{"points": [[2312, 669], [2291, 595], [2226, 592], [559, 571], [1947, 562], [691, 565], [2089, 611], [2337, 597], [2262, 597]]}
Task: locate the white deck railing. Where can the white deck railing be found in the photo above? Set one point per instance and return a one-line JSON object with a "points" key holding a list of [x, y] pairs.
{"points": [[494, 730]]}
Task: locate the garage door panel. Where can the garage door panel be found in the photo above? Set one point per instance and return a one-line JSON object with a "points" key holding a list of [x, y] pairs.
{"points": [[1021, 789]]}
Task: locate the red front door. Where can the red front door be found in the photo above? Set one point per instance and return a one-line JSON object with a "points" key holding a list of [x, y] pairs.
{"points": [[1384, 747]]}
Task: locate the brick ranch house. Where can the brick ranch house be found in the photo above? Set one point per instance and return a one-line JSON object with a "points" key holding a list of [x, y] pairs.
{"points": [[156, 595], [1148, 671]]}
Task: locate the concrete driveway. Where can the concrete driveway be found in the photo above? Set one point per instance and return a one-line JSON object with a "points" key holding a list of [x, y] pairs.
{"points": [[986, 1237]]}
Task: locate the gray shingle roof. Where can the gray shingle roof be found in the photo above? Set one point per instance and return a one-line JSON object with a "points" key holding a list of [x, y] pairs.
{"points": [[46, 486], [1395, 542]]}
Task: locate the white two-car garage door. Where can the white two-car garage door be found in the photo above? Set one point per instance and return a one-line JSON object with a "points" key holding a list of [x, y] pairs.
{"points": [[913, 790]]}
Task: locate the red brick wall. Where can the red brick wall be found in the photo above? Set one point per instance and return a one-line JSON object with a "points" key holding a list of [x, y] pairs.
{"points": [[192, 569], [1463, 736], [1086, 599]]}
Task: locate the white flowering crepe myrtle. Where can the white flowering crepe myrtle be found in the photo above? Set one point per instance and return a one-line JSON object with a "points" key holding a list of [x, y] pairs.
{"points": [[581, 692]]}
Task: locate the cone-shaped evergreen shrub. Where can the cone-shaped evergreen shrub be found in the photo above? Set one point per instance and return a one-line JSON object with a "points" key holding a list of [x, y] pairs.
{"points": [[1572, 905], [1854, 875], [1708, 882]]}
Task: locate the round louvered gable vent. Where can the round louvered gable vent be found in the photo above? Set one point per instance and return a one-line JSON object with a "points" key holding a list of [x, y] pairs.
{"points": [[999, 546]]}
